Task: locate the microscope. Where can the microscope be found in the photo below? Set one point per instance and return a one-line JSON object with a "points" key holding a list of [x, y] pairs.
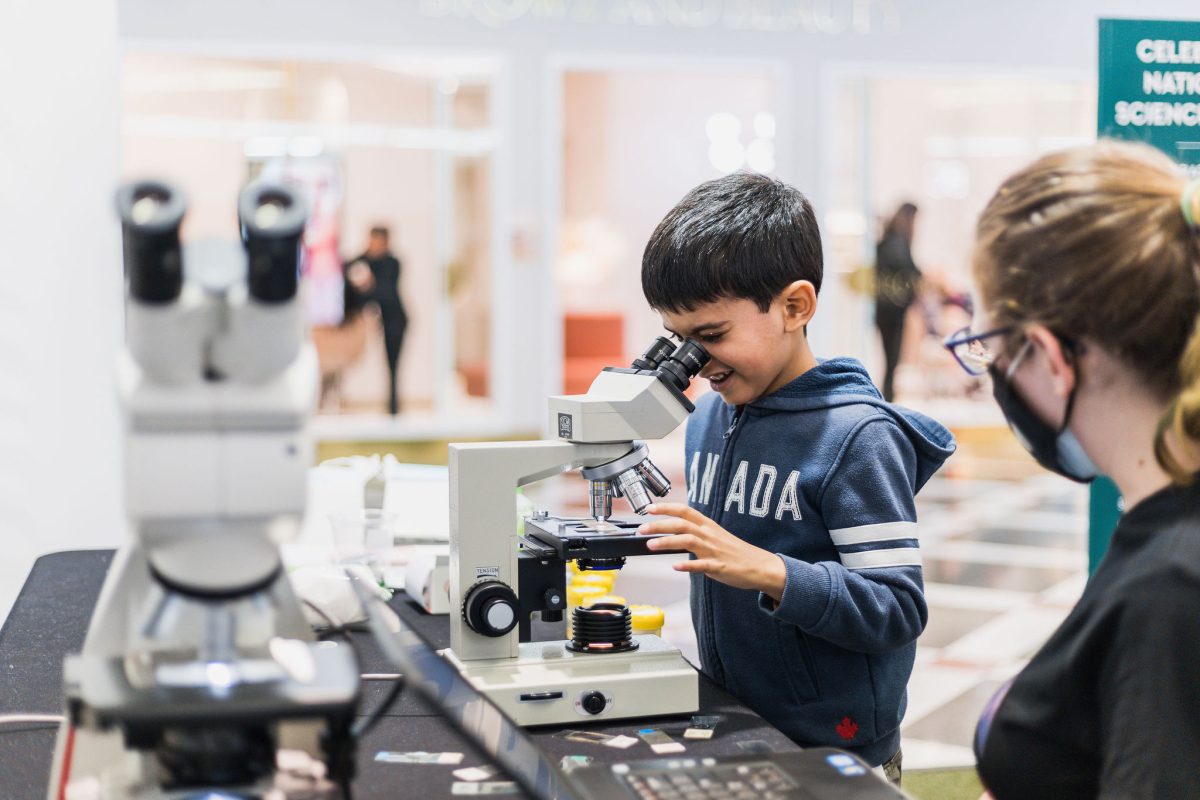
{"points": [[499, 579], [199, 676]]}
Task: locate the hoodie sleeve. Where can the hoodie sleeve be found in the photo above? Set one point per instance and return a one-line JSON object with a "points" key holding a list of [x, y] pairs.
{"points": [[871, 599]]}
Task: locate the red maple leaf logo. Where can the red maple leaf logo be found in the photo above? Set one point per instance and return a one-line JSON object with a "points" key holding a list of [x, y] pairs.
{"points": [[847, 728]]}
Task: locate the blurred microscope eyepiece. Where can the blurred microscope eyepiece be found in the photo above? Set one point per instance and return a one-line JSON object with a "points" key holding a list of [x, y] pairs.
{"points": [[654, 355], [151, 212], [684, 364], [272, 218]]}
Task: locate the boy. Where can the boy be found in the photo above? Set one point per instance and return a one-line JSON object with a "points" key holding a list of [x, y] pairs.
{"points": [[806, 576]]}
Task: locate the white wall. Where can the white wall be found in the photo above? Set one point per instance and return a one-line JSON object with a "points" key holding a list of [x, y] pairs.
{"points": [[635, 144], [60, 302], [1024, 36], [60, 282]]}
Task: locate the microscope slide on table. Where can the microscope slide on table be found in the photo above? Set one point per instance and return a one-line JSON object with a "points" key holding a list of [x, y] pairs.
{"points": [[198, 673], [499, 579]]}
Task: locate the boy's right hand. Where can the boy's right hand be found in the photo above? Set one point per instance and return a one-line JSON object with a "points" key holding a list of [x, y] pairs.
{"points": [[719, 554]]}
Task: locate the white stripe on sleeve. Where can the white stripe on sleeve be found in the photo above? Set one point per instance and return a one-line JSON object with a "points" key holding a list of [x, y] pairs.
{"points": [[880, 532], [891, 557]]}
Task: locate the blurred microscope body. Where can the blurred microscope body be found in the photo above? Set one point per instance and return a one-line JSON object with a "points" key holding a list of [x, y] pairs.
{"points": [[199, 673]]}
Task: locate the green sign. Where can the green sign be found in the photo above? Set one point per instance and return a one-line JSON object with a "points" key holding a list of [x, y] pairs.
{"points": [[1149, 92], [1150, 85]]}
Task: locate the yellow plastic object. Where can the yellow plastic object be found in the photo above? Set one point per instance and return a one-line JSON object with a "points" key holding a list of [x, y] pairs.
{"points": [[647, 619], [606, 579], [604, 598], [577, 594]]}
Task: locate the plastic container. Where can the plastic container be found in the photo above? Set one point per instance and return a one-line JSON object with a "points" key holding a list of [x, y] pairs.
{"points": [[604, 578], [647, 619], [604, 598], [365, 536]]}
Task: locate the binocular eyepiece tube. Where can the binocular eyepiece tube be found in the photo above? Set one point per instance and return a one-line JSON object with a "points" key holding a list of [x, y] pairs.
{"points": [[684, 364], [151, 213], [676, 365], [272, 218], [654, 355]]}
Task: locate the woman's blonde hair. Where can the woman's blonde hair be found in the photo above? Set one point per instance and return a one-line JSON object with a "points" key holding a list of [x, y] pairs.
{"points": [[1091, 243]]}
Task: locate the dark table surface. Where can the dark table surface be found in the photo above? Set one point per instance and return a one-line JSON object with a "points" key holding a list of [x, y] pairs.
{"points": [[50, 618]]}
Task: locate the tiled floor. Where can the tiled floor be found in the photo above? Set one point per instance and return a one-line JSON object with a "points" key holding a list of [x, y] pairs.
{"points": [[1005, 559], [1004, 563]]}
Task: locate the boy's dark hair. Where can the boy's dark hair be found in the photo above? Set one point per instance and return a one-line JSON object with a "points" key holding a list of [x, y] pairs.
{"points": [[741, 236], [381, 231]]}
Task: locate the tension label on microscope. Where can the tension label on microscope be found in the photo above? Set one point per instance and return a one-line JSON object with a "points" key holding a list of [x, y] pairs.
{"points": [[487, 572]]}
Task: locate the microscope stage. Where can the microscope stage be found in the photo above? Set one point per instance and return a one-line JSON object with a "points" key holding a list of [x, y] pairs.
{"points": [[574, 537]]}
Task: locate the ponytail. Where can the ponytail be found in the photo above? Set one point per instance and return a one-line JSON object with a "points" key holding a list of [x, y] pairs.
{"points": [[1182, 417]]}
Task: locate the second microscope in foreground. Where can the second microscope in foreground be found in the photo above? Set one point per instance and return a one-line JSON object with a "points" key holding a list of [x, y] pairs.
{"points": [[498, 578]]}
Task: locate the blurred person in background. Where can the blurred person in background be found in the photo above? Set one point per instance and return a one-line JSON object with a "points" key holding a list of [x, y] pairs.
{"points": [[1088, 265], [897, 280], [375, 276]]}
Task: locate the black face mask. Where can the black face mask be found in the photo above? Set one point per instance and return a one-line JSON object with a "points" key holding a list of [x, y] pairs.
{"points": [[1056, 450]]}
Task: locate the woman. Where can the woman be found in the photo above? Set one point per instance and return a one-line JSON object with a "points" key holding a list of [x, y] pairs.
{"points": [[896, 281], [1088, 265]]}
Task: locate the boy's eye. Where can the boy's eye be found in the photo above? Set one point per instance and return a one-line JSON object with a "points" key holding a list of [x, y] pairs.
{"points": [[711, 338]]}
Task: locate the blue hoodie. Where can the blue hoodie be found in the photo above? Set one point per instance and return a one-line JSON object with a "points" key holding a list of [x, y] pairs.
{"points": [[822, 472]]}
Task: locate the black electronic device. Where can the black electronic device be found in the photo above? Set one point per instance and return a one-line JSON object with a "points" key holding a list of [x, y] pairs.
{"points": [[814, 774]]}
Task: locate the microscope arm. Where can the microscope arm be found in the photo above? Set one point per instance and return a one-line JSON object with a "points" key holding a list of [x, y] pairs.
{"points": [[483, 479]]}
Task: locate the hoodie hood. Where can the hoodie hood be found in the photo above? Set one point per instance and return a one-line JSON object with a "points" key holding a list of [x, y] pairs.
{"points": [[844, 381]]}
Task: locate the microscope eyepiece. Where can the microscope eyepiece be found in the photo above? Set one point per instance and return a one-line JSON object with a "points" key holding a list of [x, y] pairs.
{"points": [[272, 218], [655, 354], [684, 364], [151, 212]]}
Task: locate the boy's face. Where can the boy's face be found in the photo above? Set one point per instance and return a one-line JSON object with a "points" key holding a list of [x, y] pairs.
{"points": [[753, 353]]}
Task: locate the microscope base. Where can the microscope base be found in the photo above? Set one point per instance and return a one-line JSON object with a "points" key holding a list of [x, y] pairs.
{"points": [[102, 767], [546, 684], [107, 747]]}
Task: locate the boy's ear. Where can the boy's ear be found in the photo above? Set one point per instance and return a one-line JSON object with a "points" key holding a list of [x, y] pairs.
{"points": [[799, 303]]}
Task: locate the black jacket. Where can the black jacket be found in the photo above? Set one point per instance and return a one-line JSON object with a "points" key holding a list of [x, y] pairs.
{"points": [[1110, 706], [896, 274]]}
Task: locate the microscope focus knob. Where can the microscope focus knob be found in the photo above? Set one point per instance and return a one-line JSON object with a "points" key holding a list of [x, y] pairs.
{"points": [[491, 608]]}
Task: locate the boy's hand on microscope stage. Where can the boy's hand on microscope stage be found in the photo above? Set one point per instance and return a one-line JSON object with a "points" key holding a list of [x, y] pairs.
{"points": [[719, 554]]}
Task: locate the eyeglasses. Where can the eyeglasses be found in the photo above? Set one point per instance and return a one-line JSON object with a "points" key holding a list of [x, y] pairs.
{"points": [[973, 351]]}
